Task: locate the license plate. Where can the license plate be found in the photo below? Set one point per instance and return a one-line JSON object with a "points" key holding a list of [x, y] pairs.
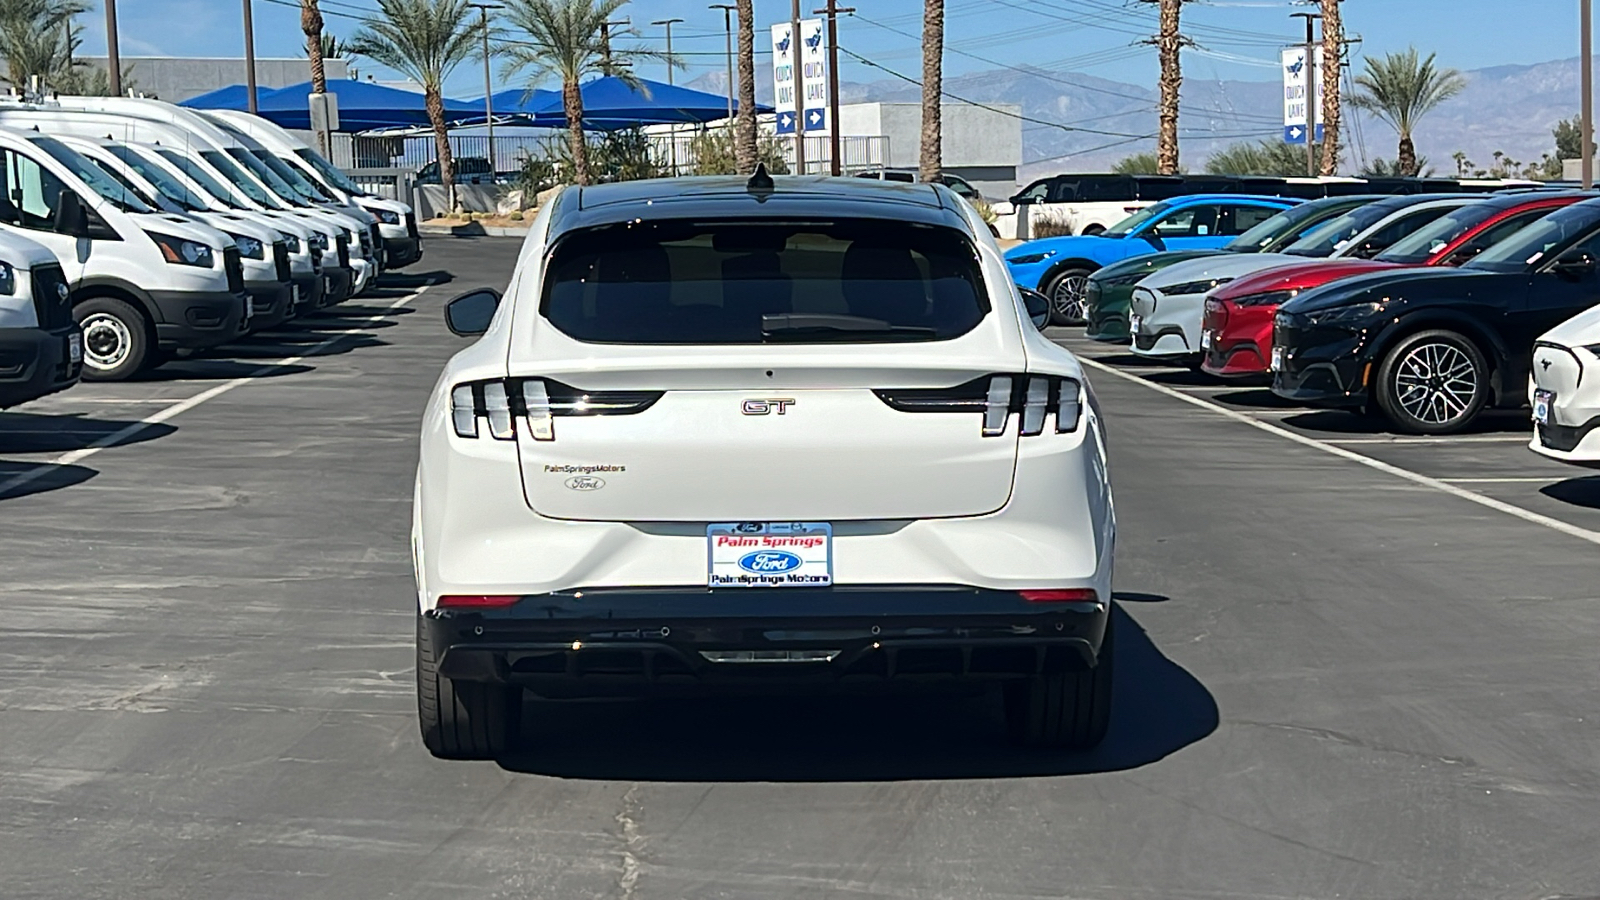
{"points": [[1277, 359], [1205, 340], [1135, 323], [75, 348], [1542, 401], [327, 285], [769, 554], [294, 294]]}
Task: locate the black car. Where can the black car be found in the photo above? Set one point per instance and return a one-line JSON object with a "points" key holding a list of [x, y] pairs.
{"points": [[1431, 348]]}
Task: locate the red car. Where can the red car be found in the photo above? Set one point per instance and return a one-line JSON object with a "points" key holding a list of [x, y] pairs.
{"points": [[1236, 333]]}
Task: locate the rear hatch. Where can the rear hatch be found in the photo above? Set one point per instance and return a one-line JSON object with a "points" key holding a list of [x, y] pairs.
{"points": [[760, 371]]}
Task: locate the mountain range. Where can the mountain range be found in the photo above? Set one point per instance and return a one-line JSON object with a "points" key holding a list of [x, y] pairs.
{"points": [[1510, 108]]}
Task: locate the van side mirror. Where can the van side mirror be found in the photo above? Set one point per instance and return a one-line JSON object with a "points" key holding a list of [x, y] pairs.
{"points": [[71, 218], [1575, 264], [469, 315], [1038, 306]]}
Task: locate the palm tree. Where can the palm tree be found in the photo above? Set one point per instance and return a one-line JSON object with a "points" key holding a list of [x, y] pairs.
{"points": [[1169, 44], [423, 40], [932, 158], [744, 125], [37, 38], [563, 38], [1402, 88], [311, 24], [1332, 68]]}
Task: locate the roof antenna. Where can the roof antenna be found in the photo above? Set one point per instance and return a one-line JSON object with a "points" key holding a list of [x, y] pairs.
{"points": [[760, 181]]}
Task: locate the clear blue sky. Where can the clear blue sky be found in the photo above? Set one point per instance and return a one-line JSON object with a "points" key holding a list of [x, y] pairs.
{"points": [[1237, 38]]}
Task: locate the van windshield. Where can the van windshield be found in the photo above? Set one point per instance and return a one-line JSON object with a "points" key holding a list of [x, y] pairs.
{"points": [[124, 198], [196, 172], [122, 179], [291, 176], [330, 172], [170, 187], [240, 180], [744, 282], [268, 177]]}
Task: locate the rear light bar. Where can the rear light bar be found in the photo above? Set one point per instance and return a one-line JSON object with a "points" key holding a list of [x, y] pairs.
{"points": [[535, 402], [477, 601], [1067, 595], [998, 397]]}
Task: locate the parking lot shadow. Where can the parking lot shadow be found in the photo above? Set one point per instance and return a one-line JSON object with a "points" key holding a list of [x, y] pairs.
{"points": [[1343, 422], [37, 433], [1158, 708], [1255, 398], [1576, 491], [412, 280], [217, 365], [20, 479]]}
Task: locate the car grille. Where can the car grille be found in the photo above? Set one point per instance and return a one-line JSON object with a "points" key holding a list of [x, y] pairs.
{"points": [[280, 260], [343, 244], [52, 303], [234, 269], [411, 224]]}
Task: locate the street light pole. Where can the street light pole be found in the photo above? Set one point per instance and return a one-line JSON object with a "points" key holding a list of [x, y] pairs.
{"points": [[672, 130], [1311, 90], [113, 58], [727, 27], [606, 66], [250, 58], [799, 89], [1586, 29], [488, 85], [832, 11], [668, 23]]}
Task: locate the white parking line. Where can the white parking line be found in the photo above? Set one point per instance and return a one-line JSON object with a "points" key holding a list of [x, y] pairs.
{"points": [[189, 403], [1454, 439], [1548, 480], [1570, 530]]}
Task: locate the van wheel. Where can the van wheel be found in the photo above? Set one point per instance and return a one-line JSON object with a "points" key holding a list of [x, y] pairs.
{"points": [[1068, 291], [118, 341], [463, 720], [1064, 710], [1094, 229], [1433, 382]]}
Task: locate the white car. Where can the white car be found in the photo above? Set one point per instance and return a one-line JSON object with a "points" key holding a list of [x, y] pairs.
{"points": [[722, 432], [1167, 308], [1564, 391]]}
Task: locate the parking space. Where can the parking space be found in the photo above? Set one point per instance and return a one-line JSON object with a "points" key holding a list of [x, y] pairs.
{"points": [[1333, 679]]}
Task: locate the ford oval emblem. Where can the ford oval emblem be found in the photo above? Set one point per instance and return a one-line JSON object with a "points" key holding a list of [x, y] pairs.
{"points": [[769, 562], [61, 291], [585, 483]]}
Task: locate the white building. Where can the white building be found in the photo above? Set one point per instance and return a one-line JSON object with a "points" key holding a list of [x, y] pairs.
{"points": [[982, 145]]}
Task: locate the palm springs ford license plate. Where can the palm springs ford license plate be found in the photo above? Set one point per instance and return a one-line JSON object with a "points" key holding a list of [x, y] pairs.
{"points": [[770, 554]]}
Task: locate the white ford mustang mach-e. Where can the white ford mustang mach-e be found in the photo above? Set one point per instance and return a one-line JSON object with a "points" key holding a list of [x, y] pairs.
{"points": [[722, 432]]}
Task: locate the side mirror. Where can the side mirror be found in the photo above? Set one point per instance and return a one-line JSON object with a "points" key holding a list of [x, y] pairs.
{"points": [[71, 218], [1574, 265], [1038, 306], [469, 315]]}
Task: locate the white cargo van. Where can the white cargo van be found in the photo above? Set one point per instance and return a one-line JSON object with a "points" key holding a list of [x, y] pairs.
{"points": [[41, 347], [143, 285], [397, 222]]}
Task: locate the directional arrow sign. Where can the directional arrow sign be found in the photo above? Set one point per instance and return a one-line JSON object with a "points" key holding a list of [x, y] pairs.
{"points": [[816, 119], [786, 122], [1294, 93]]}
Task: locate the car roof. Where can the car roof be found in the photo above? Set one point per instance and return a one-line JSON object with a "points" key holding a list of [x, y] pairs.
{"points": [[1518, 198], [722, 197], [1191, 199]]}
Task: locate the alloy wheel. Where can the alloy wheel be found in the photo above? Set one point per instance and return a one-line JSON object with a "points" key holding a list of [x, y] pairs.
{"points": [[106, 340], [1435, 383], [1070, 298]]}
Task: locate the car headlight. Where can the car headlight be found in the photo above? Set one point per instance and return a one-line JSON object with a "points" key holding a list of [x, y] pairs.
{"points": [[387, 216], [182, 251], [249, 247], [1128, 280], [1028, 259], [1355, 312], [1270, 298], [290, 241], [1194, 287]]}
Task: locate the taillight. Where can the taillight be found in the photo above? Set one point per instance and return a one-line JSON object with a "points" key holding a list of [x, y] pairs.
{"points": [[535, 402], [1068, 595], [1034, 398], [477, 601]]}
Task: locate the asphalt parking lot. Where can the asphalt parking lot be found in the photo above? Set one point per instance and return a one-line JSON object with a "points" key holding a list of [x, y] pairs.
{"points": [[1340, 674]]}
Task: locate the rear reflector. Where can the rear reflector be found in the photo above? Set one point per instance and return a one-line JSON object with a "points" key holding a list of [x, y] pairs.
{"points": [[1068, 595], [477, 601]]}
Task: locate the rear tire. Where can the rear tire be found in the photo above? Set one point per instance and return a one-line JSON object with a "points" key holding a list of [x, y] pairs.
{"points": [[463, 720], [1433, 382], [1064, 710], [118, 341], [1068, 291]]}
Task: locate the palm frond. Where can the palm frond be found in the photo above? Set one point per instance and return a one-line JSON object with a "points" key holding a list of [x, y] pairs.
{"points": [[1402, 87], [422, 39]]}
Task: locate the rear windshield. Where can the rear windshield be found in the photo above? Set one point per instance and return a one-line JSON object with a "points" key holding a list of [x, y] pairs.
{"points": [[1323, 241], [1421, 245], [847, 281], [1283, 229]]}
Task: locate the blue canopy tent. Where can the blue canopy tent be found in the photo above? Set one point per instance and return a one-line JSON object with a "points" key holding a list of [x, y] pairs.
{"points": [[234, 96], [363, 105], [610, 103]]}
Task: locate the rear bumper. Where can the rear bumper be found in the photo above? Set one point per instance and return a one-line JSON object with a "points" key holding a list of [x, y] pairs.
{"points": [[34, 363], [193, 320], [273, 304], [594, 643]]}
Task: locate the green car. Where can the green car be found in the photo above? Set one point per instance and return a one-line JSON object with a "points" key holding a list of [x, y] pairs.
{"points": [[1110, 289]]}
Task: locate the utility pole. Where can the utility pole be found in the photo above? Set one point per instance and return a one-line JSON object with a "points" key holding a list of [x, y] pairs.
{"points": [[113, 58], [488, 85], [832, 11], [249, 58], [727, 27], [1586, 29], [672, 132], [799, 90], [1311, 90], [606, 66]]}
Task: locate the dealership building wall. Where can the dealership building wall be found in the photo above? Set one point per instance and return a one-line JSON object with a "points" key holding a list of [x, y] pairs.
{"points": [[982, 145], [176, 79]]}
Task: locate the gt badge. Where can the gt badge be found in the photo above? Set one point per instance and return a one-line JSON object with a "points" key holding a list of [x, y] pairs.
{"points": [[766, 407]]}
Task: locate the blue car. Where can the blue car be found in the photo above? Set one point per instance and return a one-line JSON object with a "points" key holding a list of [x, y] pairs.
{"points": [[1059, 267]]}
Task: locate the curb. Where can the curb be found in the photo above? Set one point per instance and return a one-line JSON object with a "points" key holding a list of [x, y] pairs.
{"points": [[472, 229]]}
